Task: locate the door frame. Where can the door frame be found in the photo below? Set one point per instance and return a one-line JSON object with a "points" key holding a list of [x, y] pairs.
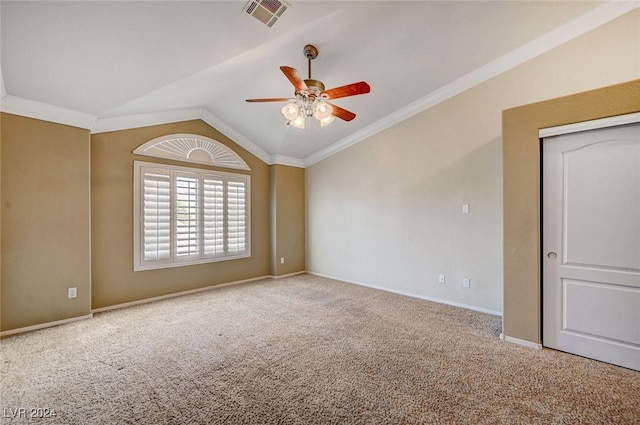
{"points": [[522, 313]]}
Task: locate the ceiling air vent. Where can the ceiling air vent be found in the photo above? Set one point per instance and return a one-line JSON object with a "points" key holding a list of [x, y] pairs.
{"points": [[266, 11]]}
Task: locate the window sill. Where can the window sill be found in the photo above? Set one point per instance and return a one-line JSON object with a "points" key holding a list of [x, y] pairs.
{"points": [[167, 265]]}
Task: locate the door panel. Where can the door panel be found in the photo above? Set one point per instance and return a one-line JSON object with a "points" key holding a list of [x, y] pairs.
{"points": [[591, 244], [601, 223], [582, 299]]}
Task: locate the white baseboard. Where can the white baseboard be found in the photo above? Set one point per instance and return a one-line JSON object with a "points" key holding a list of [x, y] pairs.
{"points": [[288, 275], [44, 325], [175, 294], [191, 291], [412, 295], [523, 342], [222, 285], [139, 302]]}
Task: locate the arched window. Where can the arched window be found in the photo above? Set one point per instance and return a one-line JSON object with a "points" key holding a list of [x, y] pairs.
{"points": [[192, 148], [187, 215]]}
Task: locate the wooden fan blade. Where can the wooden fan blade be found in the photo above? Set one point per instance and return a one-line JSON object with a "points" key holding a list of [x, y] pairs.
{"points": [[348, 90], [342, 113], [273, 99], [295, 78]]}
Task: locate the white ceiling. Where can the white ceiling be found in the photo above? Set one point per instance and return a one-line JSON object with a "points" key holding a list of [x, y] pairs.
{"points": [[113, 61]]}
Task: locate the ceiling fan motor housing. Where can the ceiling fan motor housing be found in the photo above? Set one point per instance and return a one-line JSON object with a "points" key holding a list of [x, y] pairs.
{"points": [[315, 86]]}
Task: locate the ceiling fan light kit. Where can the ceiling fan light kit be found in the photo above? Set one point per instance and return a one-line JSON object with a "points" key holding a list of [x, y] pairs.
{"points": [[311, 98]]}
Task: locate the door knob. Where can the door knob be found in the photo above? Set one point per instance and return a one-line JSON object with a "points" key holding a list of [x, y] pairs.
{"points": [[552, 255]]}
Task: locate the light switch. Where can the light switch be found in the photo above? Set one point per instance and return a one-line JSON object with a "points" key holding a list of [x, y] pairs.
{"points": [[465, 208]]}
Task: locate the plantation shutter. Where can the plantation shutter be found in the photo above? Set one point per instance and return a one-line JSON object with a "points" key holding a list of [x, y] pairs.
{"points": [[213, 215], [156, 216], [187, 216], [236, 215]]}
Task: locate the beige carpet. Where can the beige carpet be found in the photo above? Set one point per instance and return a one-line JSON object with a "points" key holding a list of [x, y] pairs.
{"points": [[303, 350]]}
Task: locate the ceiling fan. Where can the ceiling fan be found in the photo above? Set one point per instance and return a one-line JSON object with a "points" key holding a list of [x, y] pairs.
{"points": [[311, 98]]}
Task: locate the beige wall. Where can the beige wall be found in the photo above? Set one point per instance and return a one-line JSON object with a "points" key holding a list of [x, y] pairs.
{"points": [[114, 281], [522, 289], [54, 176], [288, 225], [45, 221], [387, 211]]}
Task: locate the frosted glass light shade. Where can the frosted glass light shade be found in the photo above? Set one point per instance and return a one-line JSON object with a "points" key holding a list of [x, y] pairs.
{"points": [[327, 120], [290, 111], [323, 110], [298, 122]]}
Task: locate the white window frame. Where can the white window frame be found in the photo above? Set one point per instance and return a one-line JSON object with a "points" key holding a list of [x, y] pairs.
{"points": [[139, 262]]}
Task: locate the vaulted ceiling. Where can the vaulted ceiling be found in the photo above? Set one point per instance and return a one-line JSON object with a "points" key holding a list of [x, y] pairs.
{"points": [[119, 64]]}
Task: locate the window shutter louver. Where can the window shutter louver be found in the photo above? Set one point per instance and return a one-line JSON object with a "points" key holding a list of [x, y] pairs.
{"points": [[213, 215], [187, 219], [236, 215], [156, 217]]}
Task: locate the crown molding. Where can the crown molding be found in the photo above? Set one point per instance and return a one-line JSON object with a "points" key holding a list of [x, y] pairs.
{"points": [[103, 125], [43, 111], [46, 112], [286, 160], [554, 38], [217, 123]]}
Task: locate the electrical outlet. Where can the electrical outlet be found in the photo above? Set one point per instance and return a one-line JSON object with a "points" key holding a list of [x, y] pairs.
{"points": [[441, 278], [466, 282], [281, 260], [72, 292]]}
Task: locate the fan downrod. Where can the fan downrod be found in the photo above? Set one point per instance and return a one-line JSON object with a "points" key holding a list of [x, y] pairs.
{"points": [[310, 52]]}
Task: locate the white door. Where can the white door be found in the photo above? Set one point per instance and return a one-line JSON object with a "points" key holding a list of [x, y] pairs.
{"points": [[591, 244]]}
